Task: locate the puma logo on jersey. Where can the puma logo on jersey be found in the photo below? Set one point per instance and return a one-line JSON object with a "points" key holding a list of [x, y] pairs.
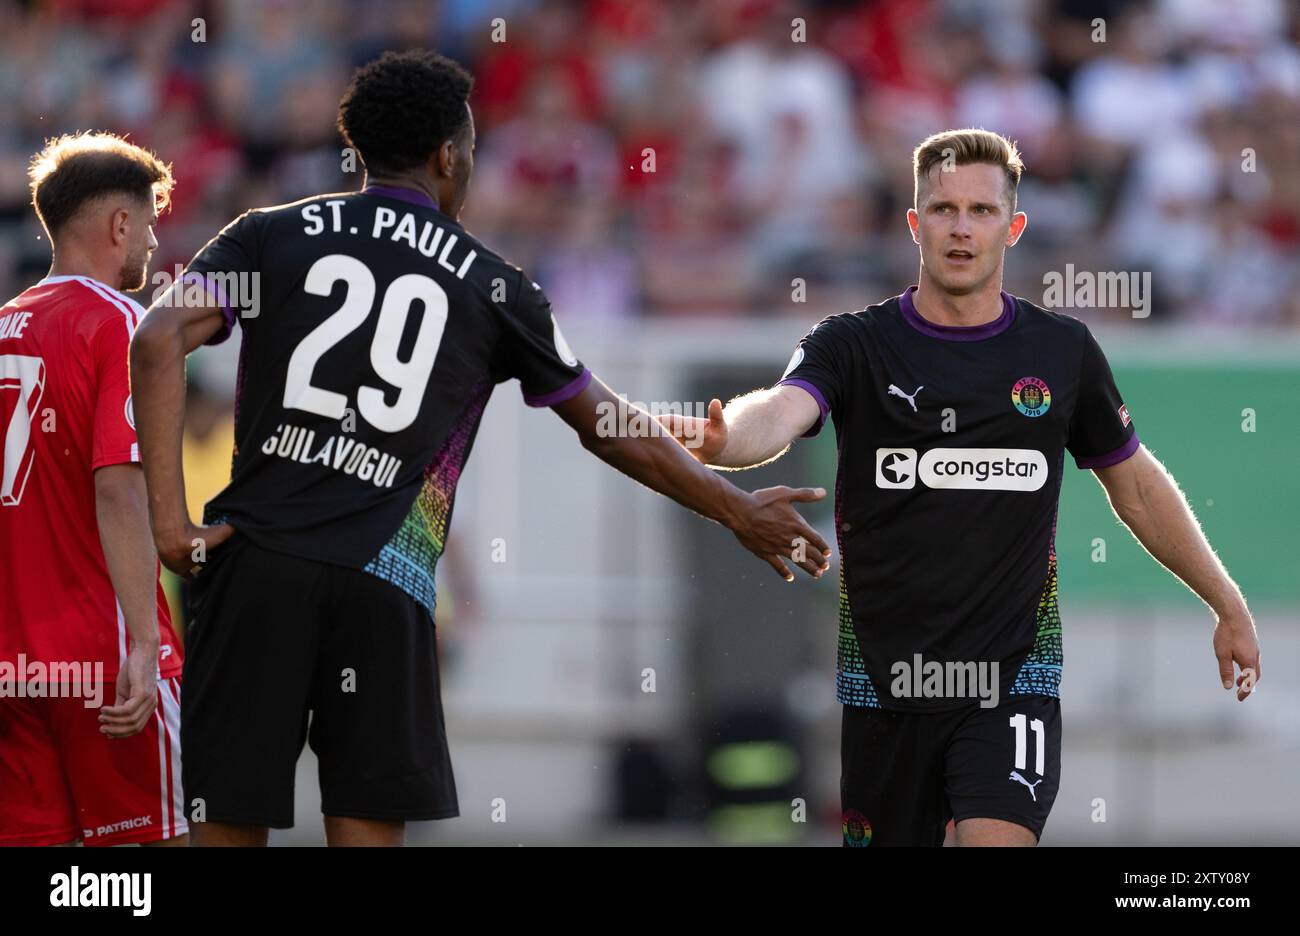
{"points": [[1015, 775], [909, 397]]}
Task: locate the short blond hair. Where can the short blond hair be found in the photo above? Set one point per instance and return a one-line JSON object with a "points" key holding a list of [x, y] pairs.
{"points": [[964, 148], [79, 167]]}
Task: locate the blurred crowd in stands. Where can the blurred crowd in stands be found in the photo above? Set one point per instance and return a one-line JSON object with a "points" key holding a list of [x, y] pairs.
{"points": [[1173, 146]]}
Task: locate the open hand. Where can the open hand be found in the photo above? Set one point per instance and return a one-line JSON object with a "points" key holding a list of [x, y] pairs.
{"points": [[774, 531]]}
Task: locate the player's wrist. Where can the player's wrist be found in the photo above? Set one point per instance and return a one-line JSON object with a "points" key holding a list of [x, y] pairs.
{"points": [[171, 526], [733, 506], [178, 549], [1233, 615], [147, 646]]}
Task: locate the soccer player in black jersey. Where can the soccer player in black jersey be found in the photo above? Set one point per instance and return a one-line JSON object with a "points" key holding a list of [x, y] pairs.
{"points": [[375, 329], [954, 405]]}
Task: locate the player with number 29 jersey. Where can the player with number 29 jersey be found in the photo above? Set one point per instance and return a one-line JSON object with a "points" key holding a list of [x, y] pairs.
{"points": [[379, 291], [375, 329]]}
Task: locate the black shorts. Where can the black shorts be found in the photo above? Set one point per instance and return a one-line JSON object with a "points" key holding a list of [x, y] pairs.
{"points": [[275, 638], [905, 774]]}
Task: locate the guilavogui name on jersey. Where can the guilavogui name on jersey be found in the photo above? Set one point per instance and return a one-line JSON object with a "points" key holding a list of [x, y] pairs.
{"points": [[336, 452]]}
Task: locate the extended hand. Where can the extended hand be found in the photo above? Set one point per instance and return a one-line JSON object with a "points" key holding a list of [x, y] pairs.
{"points": [[772, 529], [703, 438]]}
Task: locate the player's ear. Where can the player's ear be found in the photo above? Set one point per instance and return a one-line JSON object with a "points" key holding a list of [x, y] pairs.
{"points": [[447, 157], [119, 226], [1018, 222], [914, 222]]}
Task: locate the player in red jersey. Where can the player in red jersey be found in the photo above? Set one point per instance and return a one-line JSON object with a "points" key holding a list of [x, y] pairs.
{"points": [[89, 665]]}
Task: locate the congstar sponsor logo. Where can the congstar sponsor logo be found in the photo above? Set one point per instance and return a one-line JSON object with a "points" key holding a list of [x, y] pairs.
{"points": [[961, 469]]}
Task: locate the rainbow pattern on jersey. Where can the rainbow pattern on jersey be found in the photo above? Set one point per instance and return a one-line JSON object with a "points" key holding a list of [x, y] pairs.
{"points": [[1040, 674], [1031, 396], [852, 684], [409, 559]]}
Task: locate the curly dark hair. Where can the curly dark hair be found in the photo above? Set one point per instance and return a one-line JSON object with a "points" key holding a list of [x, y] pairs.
{"points": [[400, 108]]}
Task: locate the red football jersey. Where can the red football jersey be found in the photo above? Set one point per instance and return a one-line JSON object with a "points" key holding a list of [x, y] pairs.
{"points": [[65, 410]]}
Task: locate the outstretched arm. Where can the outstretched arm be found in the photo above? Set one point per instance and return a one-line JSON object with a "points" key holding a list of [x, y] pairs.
{"points": [[750, 431], [765, 521], [1147, 499]]}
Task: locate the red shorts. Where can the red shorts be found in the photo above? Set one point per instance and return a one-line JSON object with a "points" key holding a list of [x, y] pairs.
{"points": [[61, 780]]}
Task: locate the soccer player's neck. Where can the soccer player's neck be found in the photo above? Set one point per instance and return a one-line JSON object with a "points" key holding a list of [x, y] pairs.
{"points": [[68, 260], [416, 182], [940, 306]]}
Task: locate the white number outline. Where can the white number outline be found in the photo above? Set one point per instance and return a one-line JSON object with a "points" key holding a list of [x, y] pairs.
{"points": [[26, 374], [411, 377]]}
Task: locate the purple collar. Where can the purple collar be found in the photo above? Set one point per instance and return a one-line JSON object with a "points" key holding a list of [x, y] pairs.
{"points": [[401, 193], [958, 332]]}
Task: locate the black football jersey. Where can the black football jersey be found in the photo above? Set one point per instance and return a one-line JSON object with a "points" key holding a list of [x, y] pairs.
{"points": [[375, 329], [952, 445]]}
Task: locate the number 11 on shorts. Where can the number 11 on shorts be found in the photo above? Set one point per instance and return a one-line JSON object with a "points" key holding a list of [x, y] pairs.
{"points": [[1040, 748]]}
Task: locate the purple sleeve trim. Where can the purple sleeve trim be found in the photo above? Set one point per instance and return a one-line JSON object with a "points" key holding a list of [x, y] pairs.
{"points": [[816, 395], [213, 289], [1110, 458], [567, 392]]}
